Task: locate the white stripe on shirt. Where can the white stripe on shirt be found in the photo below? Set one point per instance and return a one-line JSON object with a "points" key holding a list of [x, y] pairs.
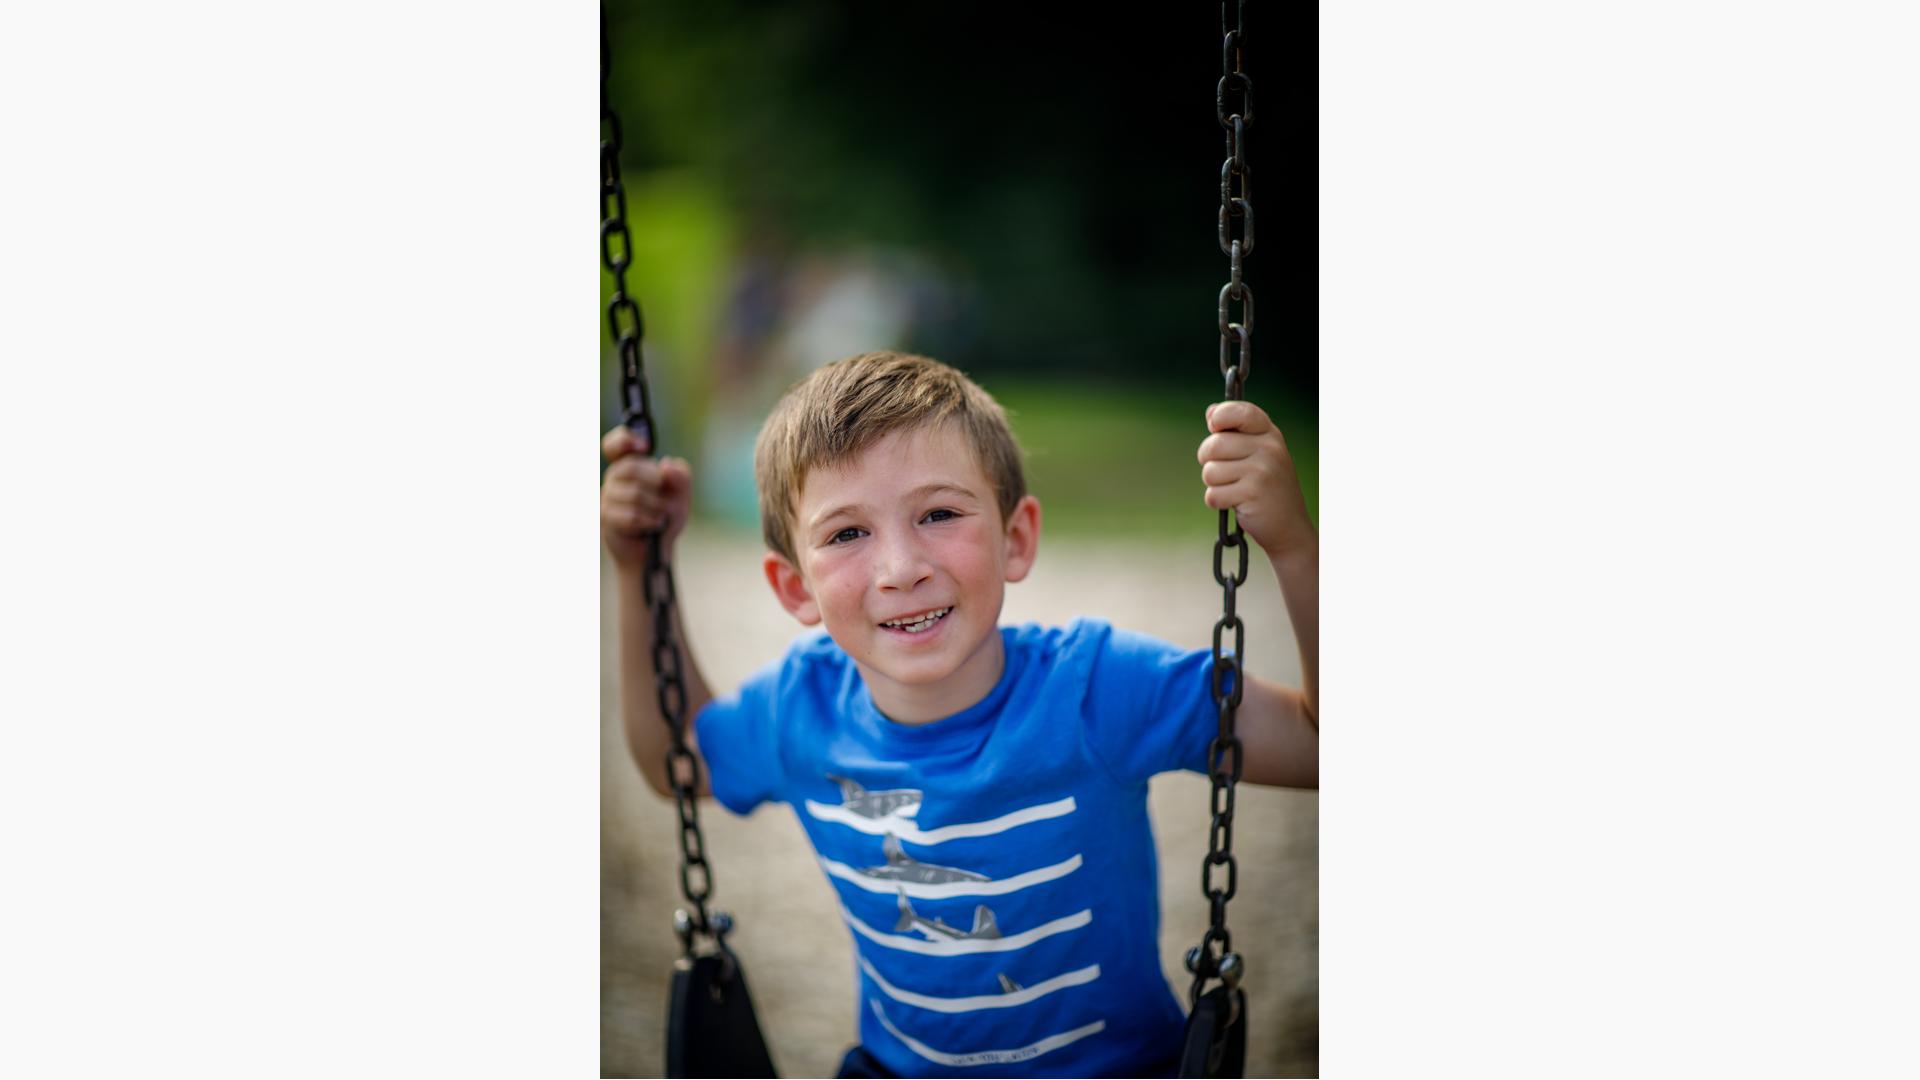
{"points": [[946, 946], [944, 890], [913, 834], [983, 1001], [987, 1057]]}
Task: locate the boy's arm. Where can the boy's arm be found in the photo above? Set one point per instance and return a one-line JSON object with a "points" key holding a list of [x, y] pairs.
{"points": [[1279, 726], [638, 495], [1247, 469]]}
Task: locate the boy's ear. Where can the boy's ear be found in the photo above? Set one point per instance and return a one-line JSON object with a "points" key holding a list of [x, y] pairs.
{"points": [[791, 589], [1023, 537]]}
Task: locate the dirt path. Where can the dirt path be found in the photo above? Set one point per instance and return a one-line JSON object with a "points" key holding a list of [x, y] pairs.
{"points": [[797, 950]]}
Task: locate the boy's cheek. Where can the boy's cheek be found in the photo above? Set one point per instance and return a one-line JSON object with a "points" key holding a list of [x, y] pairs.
{"points": [[838, 603]]}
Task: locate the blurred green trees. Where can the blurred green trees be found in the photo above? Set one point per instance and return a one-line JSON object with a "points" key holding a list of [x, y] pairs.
{"points": [[1053, 180]]}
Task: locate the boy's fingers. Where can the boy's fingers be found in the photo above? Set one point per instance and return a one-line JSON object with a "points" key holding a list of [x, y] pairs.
{"points": [[1219, 473], [676, 480], [628, 471], [656, 474], [1226, 446], [628, 488], [649, 475], [1229, 496], [633, 509], [620, 442], [1242, 416]]}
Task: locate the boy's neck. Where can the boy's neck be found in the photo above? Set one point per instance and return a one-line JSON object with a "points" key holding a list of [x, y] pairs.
{"points": [[916, 704]]}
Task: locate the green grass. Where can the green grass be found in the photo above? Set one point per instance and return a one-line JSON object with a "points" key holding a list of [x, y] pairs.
{"points": [[1119, 461]]}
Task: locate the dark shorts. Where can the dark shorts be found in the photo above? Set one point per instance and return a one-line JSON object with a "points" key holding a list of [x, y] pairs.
{"points": [[859, 1063]]}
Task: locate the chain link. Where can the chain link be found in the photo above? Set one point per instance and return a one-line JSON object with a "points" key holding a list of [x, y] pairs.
{"points": [[1214, 958], [625, 327], [624, 324]]}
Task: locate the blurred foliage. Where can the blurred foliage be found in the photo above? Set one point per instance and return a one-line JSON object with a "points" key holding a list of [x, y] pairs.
{"points": [[1058, 172], [680, 238], [1120, 460], [1066, 166]]}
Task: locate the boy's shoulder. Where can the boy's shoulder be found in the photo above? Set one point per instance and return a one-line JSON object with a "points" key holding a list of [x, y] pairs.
{"points": [[1033, 632], [1082, 636], [1089, 650], [1090, 636]]}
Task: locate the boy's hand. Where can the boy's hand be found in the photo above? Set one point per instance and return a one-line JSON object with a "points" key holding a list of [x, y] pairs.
{"points": [[638, 495], [1247, 469]]}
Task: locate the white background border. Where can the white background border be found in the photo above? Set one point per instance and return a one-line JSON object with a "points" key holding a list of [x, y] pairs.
{"points": [[1618, 319]]}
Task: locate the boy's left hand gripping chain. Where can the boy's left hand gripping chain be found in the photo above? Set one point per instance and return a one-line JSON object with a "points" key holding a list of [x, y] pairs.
{"points": [[625, 327]]}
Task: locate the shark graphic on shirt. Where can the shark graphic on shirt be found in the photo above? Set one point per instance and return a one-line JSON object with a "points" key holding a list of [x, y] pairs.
{"points": [[984, 925], [902, 867], [901, 802]]}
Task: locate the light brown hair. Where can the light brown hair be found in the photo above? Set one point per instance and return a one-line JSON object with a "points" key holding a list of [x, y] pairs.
{"points": [[845, 407]]}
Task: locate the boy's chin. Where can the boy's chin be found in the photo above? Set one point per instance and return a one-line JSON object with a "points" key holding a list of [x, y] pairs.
{"points": [[913, 670], [901, 671], [916, 674]]}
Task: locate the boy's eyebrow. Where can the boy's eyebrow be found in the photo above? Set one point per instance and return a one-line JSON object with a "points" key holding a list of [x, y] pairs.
{"points": [[937, 487]]}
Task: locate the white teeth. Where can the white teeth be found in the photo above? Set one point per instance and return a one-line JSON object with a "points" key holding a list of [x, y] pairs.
{"points": [[915, 626]]}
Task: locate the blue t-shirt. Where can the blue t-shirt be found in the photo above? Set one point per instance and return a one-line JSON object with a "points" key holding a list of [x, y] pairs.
{"points": [[996, 868]]}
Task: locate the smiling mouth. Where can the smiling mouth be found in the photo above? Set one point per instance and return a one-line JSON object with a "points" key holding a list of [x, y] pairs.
{"points": [[918, 624]]}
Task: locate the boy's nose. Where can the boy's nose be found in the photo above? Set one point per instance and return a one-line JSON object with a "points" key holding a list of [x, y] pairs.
{"points": [[902, 567]]}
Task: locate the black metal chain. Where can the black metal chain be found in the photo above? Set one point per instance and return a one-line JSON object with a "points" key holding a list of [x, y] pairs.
{"points": [[625, 326], [1213, 957]]}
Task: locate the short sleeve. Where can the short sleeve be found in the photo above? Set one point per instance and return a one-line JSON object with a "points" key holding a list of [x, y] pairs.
{"points": [[1149, 706], [738, 741]]}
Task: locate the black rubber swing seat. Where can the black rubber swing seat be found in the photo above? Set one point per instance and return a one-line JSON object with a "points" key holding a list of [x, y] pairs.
{"points": [[711, 1027], [1216, 1035]]}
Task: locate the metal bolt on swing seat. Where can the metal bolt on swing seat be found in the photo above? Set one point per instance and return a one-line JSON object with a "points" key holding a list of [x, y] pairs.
{"points": [[1232, 970], [722, 924], [683, 926], [1230, 974]]}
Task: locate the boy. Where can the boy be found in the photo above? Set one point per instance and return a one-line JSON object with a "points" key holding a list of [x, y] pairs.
{"points": [[976, 794]]}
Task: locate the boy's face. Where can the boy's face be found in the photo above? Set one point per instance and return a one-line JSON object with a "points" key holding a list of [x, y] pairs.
{"points": [[902, 554]]}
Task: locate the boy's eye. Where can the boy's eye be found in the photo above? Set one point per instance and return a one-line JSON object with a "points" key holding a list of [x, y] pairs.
{"points": [[846, 534], [941, 515]]}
